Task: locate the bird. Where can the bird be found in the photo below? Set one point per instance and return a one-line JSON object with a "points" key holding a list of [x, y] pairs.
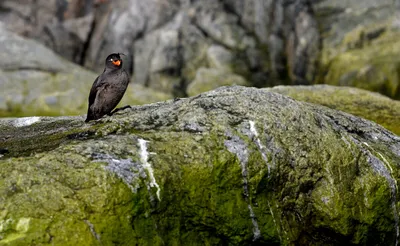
{"points": [[108, 88]]}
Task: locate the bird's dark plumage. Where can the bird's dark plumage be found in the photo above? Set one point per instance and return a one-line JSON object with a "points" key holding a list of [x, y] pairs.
{"points": [[108, 88]]}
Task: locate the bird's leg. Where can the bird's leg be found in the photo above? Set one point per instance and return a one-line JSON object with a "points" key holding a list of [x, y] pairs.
{"points": [[119, 109]]}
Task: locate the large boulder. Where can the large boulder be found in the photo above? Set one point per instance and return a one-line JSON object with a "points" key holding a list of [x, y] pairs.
{"points": [[36, 81], [362, 103], [237, 166]]}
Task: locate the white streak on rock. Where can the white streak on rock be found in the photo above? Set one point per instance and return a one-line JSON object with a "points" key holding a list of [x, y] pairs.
{"points": [[144, 157], [256, 229], [260, 147], [25, 121], [238, 147], [253, 128]]}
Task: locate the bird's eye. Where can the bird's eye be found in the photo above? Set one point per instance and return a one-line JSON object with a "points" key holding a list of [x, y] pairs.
{"points": [[111, 59]]}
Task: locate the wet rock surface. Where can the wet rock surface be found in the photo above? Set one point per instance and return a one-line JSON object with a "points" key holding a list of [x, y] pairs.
{"points": [[235, 165]]}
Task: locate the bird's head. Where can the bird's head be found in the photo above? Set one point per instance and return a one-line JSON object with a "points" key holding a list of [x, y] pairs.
{"points": [[114, 61]]}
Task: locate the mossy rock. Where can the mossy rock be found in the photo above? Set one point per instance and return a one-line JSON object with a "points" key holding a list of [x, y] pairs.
{"points": [[367, 58], [234, 166], [362, 103]]}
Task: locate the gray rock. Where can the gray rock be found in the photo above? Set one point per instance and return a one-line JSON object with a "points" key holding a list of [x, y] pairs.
{"points": [[19, 53], [208, 79], [230, 25], [166, 42], [220, 26], [62, 25], [69, 38], [220, 58], [29, 17], [159, 60], [266, 42], [119, 23]]}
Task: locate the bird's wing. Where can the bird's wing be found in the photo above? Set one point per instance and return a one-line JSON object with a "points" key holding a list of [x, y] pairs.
{"points": [[96, 85]]}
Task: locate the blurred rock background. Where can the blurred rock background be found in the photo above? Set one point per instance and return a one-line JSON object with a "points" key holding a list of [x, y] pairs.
{"points": [[52, 50]]}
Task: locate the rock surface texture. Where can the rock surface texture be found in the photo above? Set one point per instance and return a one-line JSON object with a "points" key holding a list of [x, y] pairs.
{"points": [[237, 166], [369, 105], [265, 43]]}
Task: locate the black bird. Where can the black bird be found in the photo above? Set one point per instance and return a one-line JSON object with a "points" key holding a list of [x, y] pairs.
{"points": [[108, 88]]}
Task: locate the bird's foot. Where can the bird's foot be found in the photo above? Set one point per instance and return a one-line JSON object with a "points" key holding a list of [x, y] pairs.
{"points": [[119, 109]]}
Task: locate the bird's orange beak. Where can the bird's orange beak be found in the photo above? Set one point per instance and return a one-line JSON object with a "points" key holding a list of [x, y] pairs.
{"points": [[116, 62]]}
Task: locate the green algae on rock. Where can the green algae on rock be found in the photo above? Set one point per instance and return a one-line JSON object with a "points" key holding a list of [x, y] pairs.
{"points": [[237, 166], [367, 58], [362, 103]]}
